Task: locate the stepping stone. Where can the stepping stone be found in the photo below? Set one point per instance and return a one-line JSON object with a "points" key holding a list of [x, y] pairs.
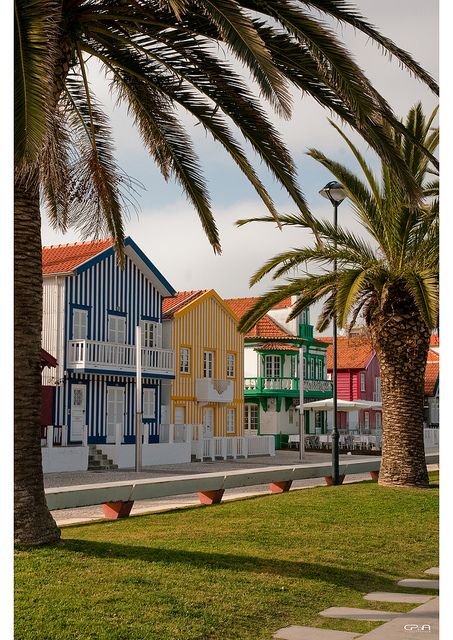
{"points": [[409, 598], [422, 623], [434, 571], [418, 584], [352, 613], [312, 633]]}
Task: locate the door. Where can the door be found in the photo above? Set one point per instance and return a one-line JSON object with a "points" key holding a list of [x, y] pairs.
{"points": [[149, 414], [115, 413], [78, 411], [208, 422]]}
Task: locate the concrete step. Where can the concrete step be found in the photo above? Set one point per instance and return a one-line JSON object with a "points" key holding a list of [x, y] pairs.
{"points": [[312, 633], [434, 571], [408, 598], [418, 584], [421, 622], [353, 613]]}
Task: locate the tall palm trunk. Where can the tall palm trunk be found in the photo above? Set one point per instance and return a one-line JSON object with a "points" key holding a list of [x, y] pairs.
{"points": [[401, 340], [33, 521]]}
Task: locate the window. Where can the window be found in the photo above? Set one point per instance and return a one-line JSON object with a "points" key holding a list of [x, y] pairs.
{"points": [[231, 420], [151, 334], [293, 370], [272, 366], [378, 421], [291, 415], [79, 324], [180, 415], [231, 365], [184, 360], [305, 368], [149, 403], [362, 381], [367, 420], [377, 392], [312, 369], [116, 329], [250, 416], [208, 364]]}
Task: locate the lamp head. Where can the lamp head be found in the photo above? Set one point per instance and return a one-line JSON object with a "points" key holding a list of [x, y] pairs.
{"points": [[334, 192]]}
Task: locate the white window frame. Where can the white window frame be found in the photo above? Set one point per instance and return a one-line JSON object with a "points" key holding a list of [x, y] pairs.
{"points": [[362, 381], [79, 324], [180, 412], [231, 420], [184, 360], [250, 415], [312, 369], [272, 366], [291, 415], [366, 419], [293, 368], [378, 421], [149, 403], [115, 332], [151, 334], [231, 365], [208, 364]]}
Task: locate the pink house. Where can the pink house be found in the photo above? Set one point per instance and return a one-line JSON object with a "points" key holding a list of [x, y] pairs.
{"points": [[358, 378]]}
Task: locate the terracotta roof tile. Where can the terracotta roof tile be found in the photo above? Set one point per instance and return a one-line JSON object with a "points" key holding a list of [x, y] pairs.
{"points": [[283, 304], [353, 352], [434, 340], [431, 373], [64, 258], [264, 328], [177, 302], [277, 346]]}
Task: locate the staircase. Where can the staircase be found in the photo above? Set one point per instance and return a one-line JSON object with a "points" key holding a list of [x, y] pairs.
{"points": [[98, 461]]}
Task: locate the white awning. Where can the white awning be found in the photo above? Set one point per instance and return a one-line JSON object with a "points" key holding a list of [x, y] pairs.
{"points": [[342, 405]]}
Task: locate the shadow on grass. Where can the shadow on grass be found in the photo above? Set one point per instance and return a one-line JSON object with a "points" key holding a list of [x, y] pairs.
{"points": [[355, 579]]}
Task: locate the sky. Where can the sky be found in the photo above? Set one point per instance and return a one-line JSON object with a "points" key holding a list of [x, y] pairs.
{"points": [[167, 227]]}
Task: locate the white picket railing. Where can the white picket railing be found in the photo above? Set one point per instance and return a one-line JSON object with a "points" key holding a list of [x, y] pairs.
{"points": [[93, 354], [233, 447]]}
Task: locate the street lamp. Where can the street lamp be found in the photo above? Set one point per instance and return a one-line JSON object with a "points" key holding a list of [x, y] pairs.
{"points": [[334, 192]]}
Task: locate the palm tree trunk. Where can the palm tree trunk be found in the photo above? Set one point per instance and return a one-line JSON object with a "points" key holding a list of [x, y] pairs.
{"points": [[402, 343], [34, 524]]}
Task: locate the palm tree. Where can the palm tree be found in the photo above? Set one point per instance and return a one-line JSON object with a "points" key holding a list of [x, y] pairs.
{"points": [[158, 55], [391, 279]]}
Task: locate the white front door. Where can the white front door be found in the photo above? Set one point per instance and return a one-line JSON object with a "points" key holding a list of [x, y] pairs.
{"points": [[115, 413], [208, 421], [78, 409]]}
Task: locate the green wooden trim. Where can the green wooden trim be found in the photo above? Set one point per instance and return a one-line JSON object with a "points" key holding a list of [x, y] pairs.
{"points": [[279, 403]]}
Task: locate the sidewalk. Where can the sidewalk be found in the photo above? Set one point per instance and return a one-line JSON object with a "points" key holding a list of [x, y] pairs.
{"points": [[66, 517]]}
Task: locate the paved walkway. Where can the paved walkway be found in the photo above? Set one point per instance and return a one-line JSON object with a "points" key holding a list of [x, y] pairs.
{"points": [[65, 517]]}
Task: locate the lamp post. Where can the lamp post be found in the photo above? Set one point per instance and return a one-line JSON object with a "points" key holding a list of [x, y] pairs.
{"points": [[334, 192]]}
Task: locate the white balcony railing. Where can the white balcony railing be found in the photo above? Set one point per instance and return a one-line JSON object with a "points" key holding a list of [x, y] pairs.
{"points": [[211, 390], [91, 354]]}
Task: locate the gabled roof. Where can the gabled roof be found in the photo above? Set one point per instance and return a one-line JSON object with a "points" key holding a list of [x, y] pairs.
{"points": [[353, 352], [431, 373], [181, 299], [73, 258], [64, 258], [264, 328]]}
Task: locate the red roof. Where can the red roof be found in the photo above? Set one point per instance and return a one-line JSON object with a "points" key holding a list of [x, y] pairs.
{"points": [[434, 340], [277, 346], [177, 302], [431, 373], [64, 258], [283, 304], [264, 328], [352, 353]]}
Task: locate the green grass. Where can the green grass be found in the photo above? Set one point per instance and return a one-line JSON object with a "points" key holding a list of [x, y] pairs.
{"points": [[238, 570]]}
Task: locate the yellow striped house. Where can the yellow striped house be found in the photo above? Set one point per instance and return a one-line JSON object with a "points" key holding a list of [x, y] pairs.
{"points": [[208, 387]]}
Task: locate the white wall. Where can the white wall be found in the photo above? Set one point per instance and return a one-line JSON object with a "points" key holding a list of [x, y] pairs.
{"points": [[56, 459], [250, 363], [152, 454]]}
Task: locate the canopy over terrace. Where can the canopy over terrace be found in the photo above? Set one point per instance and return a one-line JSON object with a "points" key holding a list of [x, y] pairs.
{"points": [[342, 405]]}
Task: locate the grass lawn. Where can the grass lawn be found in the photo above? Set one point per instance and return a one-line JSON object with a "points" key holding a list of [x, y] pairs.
{"points": [[238, 570]]}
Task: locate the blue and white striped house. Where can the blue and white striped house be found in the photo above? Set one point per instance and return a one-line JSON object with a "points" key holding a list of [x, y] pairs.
{"points": [[90, 313]]}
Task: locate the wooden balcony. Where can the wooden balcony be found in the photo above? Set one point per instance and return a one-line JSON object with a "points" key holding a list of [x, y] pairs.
{"points": [[92, 355], [211, 390], [285, 386]]}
